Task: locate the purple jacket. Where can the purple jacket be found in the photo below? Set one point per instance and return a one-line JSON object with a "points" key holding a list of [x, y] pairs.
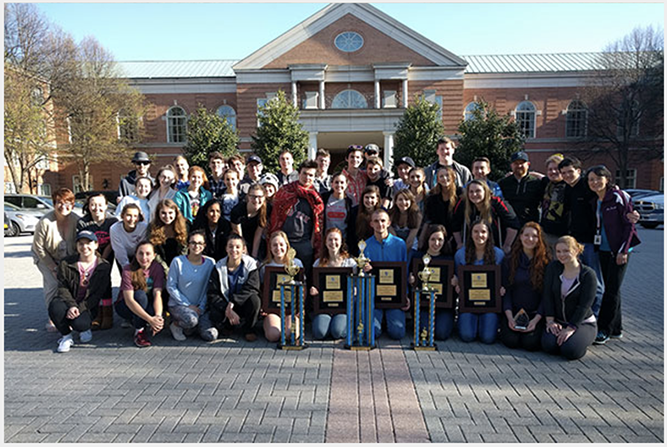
{"points": [[621, 233]]}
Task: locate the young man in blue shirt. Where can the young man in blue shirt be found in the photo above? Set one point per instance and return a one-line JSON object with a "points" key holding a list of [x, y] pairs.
{"points": [[385, 247]]}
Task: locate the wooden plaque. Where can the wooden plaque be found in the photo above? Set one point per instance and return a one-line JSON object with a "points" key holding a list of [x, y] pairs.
{"points": [[441, 280], [331, 282], [480, 288], [390, 284], [273, 276]]}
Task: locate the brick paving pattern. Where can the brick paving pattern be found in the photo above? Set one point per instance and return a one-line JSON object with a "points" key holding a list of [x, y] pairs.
{"points": [[234, 391]]}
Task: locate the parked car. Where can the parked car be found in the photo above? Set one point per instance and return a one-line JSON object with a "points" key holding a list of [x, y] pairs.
{"points": [[33, 202], [7, 222], [21, 220], [651, 210], [639, 193], [111, 196]]}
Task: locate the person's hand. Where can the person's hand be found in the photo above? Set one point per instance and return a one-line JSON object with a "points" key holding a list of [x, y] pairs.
{"points": [[314, 291], [196, 309], [368, 268], [232, 316], [565, 333], [389, 182], [502, 291], [156, 323], [621, 258], [554, 328], [512, 325], [411, 279], [72, 313], [633, 217], [407, 305], [531, 325]]}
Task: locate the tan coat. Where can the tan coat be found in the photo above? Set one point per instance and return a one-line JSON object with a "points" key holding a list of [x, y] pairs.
{"points": [[47, 238]]}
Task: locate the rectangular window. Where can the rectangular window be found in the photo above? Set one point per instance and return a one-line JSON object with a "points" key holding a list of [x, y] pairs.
{"points": [[311, 100], [430, 96], [43, 163], [10, 188], [76, 184], [389, 99], [630, 181], [44, 189]]}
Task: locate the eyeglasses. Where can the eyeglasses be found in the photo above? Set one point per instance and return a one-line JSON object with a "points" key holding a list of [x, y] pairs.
{"points": [[142, 162], [197, 244]]}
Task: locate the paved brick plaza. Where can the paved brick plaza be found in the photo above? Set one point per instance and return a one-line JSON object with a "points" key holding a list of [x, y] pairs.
{"points": [[233, 391]]}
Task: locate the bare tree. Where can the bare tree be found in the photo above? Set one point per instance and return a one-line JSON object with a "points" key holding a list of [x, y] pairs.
{"points": [[102, 112], [625, 101]]}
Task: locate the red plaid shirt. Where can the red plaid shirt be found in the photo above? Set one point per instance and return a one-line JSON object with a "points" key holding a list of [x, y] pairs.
{"points": [[355, 185]]}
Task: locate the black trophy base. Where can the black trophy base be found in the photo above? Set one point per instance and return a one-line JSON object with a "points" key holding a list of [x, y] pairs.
{"points": [[291, 347], [424, 348], [360, 347]]}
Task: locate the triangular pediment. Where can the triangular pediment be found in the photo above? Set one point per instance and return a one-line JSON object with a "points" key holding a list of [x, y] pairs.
{"points": [[276, 52]]}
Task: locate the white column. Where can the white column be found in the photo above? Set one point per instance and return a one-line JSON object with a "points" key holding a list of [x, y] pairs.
{"points": [[322, 102], [378, 104], [312, 145], [405, 93], [294, 96], [388, 150]]}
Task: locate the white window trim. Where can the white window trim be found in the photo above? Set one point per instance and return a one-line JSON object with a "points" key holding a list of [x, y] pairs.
{"points": [[185, 115], [233, 114], [349, 91], [535, 113], [632, 176]]}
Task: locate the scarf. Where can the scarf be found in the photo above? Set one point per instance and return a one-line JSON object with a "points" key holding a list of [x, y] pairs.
{"points": [[286, 198]]}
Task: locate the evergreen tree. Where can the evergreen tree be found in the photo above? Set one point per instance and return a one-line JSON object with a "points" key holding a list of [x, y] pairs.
{"points": [[418, 131], [208, 132], [279, 129], [487, 134]]}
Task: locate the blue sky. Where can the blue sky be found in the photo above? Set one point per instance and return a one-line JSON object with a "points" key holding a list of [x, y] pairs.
{"points": [[178, 31]]}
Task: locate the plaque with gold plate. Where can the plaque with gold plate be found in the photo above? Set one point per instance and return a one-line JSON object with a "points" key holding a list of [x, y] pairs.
{"points": [[273, 277], [331, 283], [480, 288], [442, 271], [390, 285]]}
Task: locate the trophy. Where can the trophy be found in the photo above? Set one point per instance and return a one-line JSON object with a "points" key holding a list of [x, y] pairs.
{"points": [[296, 294], [521, 320], [424, 341], [360, 306]]}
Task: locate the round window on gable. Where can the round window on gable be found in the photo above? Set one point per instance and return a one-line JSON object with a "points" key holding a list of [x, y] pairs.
{"points": [[349, 41]]}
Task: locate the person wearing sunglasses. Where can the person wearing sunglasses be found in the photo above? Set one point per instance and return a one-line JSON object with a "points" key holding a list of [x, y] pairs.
{"points": [[142, 164]]}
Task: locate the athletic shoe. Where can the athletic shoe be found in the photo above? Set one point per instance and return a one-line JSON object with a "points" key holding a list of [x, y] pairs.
{"points": [[86, 336], [177, 332], [617, 336], [141, 339], [65, 343], [601, 338]]}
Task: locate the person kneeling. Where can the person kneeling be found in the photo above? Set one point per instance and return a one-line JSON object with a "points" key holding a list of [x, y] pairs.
{"points": [[83, 281], [186, 284], [233, 291], [140, 298]]}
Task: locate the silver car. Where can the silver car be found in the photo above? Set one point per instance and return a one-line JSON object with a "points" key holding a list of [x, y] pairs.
{"points": [[21, 220]]}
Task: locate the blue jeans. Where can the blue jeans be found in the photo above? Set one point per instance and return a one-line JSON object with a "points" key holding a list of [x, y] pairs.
{"points": [[590, 258], [484, 325], [324, 325], [395, 322], [143, 300], [444, 323]]}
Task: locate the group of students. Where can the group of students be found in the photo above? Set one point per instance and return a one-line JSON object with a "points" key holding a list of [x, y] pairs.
{"points": [[193, 247]]}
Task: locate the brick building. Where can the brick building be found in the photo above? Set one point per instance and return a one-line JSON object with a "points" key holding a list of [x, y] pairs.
{"points": [[352, 70]]}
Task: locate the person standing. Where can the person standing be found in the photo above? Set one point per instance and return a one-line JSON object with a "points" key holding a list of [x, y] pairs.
{"points": [[193, 196], [356, 178], [481, 168], [445, 150], [615, 236], [182, 169], [286, 174], [552, 218], [217, 165], [142, 164], [126, 234], [254, 169], [523, 190], [298, 211], [53, 241], [323, 178]]}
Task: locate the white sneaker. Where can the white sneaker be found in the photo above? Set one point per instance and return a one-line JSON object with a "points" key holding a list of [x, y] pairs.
{"points": [[85, 336], [65, 343], [177, 332]]}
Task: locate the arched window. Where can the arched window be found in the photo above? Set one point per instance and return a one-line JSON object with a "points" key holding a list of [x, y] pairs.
{"points": [[470, 108], [176, 121], [227, 113], [525, 117], [349, 99], [576, 119]]}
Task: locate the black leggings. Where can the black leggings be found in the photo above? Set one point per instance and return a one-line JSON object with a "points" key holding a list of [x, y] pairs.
{"points": [[575, 347], [530, 341], [58, 314]]}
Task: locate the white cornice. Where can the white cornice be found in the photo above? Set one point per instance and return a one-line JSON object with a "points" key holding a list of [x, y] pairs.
{"points": [[436, 74], [307, 72], [526, 80], [365, 12], [263, 76], [185, 85], [350, 120]]}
